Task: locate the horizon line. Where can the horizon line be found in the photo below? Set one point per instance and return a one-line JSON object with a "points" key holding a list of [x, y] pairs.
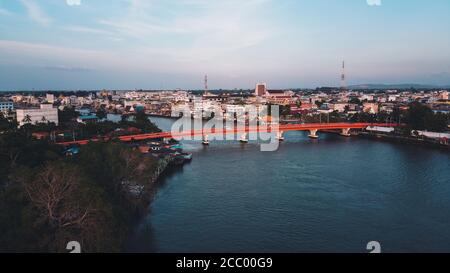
{"points": [[425, 86]]}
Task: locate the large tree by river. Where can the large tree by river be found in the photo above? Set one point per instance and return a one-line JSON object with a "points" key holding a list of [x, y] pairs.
{"points": [[48, 199]]}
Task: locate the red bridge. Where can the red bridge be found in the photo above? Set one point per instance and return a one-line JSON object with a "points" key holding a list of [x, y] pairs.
{"points": [[313, 128]]}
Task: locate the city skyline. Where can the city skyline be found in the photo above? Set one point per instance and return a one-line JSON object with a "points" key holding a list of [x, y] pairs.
{"points": [[132, 44]]}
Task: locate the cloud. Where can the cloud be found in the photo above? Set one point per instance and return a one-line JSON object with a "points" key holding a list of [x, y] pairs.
{"points": [[82, 29], [73, 2], [75, 59], [67, 68], [374, 2], [206, 28], [50, 57], [36, 13]]}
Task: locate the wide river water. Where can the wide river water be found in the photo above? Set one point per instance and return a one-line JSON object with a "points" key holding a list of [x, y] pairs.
{"points": [[331, 195]]}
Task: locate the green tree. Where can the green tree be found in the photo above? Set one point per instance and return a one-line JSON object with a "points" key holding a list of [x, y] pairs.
{"points": [[285, 110], [67, 114], [68, 207], [101, 113], [27, 119], [4, 123], [355, 101], [421, 117], [142, 122]]}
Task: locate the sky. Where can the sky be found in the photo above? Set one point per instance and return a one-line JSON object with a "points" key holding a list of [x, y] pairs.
{"points": [[168, 44]]}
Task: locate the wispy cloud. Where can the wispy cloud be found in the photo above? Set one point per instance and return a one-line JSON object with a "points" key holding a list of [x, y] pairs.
{"points": [[89, 30], [73, 2], [51, 57], [210, 28], [36, 13], [75, 59], [374, 2], [66, 68]]}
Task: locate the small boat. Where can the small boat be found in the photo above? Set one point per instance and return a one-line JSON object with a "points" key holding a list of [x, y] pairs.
{"points": [[313, 136], [187, 156], [176, 146], [280, 136], [244, 138], [205, 140], [72, 151]]}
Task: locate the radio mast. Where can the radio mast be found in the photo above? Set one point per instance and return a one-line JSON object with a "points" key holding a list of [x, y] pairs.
{"points": [[206, 85], [343, 78]]}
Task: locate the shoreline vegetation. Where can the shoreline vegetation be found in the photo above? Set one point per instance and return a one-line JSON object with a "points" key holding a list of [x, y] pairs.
{"points": [[94, 196], [408, 140]]}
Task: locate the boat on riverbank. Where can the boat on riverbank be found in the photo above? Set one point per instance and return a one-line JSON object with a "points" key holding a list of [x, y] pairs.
{"points": [[187, 156]]}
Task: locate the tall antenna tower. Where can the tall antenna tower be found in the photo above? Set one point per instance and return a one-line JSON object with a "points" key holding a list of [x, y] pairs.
{"points": [[206, 85], [343, 78]]}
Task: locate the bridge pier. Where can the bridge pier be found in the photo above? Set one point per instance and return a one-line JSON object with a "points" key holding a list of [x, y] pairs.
{"points": [[244, 138], [205, 140], [346, 132], [280, 136], [313, 134], [312, 128]]}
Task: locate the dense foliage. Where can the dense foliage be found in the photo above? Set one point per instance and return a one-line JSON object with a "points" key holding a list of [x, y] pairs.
{"points": [[417, 117], [421, 117], [48, 199]]}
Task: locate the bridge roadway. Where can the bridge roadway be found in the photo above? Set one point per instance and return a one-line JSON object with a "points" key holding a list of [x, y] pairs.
{"points": [[312, 127]]}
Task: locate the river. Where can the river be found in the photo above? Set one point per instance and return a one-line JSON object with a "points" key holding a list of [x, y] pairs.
{"points": [[331, 195]]}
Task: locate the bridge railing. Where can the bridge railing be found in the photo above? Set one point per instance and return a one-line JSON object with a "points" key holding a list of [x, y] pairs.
{"points": [[236, 130]]}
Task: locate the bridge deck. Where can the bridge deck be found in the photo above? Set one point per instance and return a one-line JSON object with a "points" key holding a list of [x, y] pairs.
{"points": [[239, 129]]}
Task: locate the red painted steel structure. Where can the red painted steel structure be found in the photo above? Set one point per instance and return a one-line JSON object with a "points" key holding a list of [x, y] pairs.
{"points": [[246, 129]]}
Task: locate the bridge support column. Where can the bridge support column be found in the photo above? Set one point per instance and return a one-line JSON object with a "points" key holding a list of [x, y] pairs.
{"points": [[280, 136], [345, 132], [205, 140], [244, 138], [313, 134]]}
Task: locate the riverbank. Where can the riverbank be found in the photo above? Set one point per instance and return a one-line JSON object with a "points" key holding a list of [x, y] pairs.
{"points": [[429, 142]]}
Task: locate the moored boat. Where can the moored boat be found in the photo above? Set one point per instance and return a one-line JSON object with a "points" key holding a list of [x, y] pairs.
{"points": [[187, 156], [205, 140]]}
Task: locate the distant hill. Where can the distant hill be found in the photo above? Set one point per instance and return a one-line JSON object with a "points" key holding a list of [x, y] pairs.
{"points": [[397, 86]]}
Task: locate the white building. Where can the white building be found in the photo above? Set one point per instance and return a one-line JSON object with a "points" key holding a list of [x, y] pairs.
{"points": [[378, 129], [393, 98], [181, 96], [73, 100], [338, 106], [50, 98], [6, 106], [46, 113]]}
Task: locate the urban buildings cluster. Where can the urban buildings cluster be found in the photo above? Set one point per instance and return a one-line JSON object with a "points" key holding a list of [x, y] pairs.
{"points": [[39, 107]]}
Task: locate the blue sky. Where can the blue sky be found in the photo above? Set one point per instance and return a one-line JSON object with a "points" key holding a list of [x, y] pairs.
{"points": [[157, 44]]}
